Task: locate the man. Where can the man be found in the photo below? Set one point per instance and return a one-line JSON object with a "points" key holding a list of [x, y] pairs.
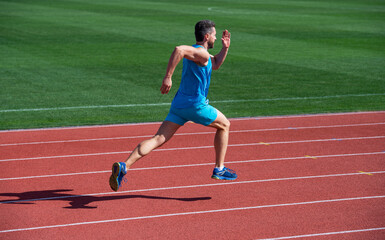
{"points": [[190, 102]]}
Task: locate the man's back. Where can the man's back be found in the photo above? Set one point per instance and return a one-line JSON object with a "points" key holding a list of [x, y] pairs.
{"points": [[194, 85]]}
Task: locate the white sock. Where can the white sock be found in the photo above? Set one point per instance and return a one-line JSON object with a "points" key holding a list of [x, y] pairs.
{"points": [[219, 168]]}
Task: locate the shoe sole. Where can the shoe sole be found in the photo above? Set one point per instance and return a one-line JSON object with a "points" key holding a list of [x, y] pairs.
{"points": [[222, 178], [114, 184]]}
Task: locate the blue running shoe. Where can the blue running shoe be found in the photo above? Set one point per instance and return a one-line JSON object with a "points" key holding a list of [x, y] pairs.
{"points": [[225, 174], [118, 172]]}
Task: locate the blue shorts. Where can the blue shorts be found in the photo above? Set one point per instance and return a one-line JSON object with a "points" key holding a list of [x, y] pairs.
{"points": [[203, 114]]}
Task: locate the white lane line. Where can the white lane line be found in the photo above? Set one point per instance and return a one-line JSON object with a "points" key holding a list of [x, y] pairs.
{"points": [[196, 165], [196, 212], [84, 107], [81, 140], [192, 186], [65, 156], [198, 147], [188, 134], [326, 234], [158, 123], [168, 103]]}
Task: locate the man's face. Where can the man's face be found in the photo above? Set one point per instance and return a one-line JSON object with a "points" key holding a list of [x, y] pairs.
{"points": [[212, 38]]}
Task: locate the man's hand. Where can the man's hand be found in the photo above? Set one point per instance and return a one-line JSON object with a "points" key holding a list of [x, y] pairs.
{"points": [[218, 59], [166, 85], [226, 39]]}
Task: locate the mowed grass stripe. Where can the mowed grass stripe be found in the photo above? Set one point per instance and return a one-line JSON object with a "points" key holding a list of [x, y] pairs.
{"points": [[99, 53]]}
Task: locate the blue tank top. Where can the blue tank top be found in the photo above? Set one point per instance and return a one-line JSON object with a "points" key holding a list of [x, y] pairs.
{"points": [[194, 85]]}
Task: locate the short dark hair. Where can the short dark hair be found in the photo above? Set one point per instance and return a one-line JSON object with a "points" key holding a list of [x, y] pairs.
{"points": [[202, 28]]}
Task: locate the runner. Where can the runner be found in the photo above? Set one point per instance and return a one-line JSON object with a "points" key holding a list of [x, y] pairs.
{"points": [[190, 102]]}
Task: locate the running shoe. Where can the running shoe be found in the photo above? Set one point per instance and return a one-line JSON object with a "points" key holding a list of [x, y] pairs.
{"points": [[118, 172], [225, 174]]}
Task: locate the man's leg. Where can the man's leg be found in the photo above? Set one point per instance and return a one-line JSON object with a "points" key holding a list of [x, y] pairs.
{"points": [[119, 169], [165, 132], [222, 124]]}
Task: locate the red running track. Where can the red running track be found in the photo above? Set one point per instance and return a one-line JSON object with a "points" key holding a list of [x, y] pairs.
{"points": [[300, 177]]}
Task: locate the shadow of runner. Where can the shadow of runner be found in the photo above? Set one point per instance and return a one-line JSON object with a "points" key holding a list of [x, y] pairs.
{"points": [[33, 196], [79, 201], [83, 202]]}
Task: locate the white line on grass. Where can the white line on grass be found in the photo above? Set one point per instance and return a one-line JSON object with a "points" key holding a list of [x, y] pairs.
{"points": [[194, 213], [168, 104], [186, 134], [192, 186], [197, 165], [326, 234], [198, 147]]}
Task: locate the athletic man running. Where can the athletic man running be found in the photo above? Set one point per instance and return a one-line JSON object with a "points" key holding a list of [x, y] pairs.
{"points": [[190, 102]]}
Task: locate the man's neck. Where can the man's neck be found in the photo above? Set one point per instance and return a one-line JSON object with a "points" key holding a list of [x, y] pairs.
{"points": [[203, 44]]}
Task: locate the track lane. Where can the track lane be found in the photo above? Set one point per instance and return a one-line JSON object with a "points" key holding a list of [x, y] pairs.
{"points": [[31, 135], [267, 195], [87, 163], [207, 132], [179, 141], [176, 199], [272, 177]]}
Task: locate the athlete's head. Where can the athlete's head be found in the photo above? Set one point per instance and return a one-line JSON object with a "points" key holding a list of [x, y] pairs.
{"points": [[205, 30]]}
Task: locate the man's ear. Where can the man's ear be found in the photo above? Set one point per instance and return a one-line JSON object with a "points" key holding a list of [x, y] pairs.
{"points": [[207, 35]]}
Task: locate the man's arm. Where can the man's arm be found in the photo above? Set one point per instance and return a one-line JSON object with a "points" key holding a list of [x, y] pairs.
{"points": [[218, 59], [198, 55]]}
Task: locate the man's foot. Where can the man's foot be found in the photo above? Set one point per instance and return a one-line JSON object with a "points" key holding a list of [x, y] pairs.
{"points": [[225, 174], [118, 172]]}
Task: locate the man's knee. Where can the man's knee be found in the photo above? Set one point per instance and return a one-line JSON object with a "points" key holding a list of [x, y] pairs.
{"points": [[160, 140], [226, 125], [223, 124]]}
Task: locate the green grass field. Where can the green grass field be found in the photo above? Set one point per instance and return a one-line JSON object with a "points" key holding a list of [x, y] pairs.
{"points": [[85, 62]]}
